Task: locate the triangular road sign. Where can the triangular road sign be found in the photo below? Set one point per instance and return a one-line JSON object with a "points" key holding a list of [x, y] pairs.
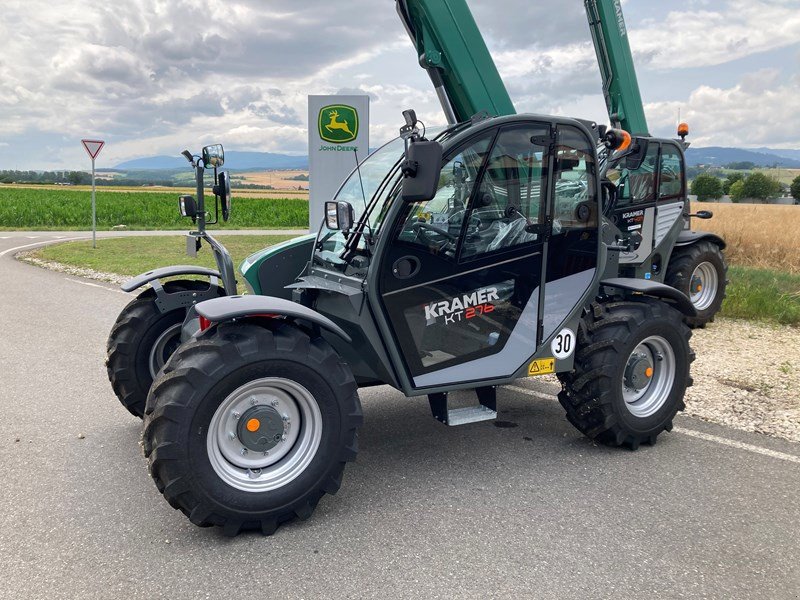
{"points": [[93, 147]]}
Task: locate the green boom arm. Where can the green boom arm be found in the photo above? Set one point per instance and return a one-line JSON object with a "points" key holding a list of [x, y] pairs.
{"points": [[451, 49], [620, 86]]}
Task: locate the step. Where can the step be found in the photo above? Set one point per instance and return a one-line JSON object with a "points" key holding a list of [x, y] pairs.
{"points": [[470, 414], [484, 411]]}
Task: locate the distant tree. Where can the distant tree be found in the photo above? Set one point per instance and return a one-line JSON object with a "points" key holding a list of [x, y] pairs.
{"points": [[707, 187], [795, 188], [78, 178], [761, 187], [737, 191], [741, 166], [730, 180]]}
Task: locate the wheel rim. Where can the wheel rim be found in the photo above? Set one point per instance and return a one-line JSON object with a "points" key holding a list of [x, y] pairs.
{"points": [[273, 465], [163, 348], [703, 285], [649, 376]]}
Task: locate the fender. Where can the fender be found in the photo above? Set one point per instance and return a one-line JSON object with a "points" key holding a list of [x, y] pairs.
{"points": [[145, 278], [687, 238], [653, 288], [234, 307]]}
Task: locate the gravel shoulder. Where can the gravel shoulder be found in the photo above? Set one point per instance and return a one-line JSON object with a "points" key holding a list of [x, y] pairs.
{"points": [[747, 374]]}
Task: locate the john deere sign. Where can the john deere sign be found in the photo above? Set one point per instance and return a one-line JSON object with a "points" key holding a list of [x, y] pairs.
{"points": [[338, 134], [338, 123]]}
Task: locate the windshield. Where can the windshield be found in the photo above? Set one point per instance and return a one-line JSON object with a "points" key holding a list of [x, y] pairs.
{"points": [[373, 184]]}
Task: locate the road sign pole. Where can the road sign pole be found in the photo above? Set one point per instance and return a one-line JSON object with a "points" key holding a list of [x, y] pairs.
{"points": [[93, 148], [94, 212]]}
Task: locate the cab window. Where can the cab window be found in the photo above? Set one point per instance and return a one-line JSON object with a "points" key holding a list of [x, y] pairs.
{"points": [[435, 224], [509, 202], [671, 181], [636, 186]]}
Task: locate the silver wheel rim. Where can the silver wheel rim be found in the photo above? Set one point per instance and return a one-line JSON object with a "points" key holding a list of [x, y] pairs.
{"points": [[703, 285], [647, 399], [157, 352], [263, 471]]}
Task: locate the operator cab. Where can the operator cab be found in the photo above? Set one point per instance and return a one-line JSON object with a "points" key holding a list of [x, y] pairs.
{"points": [[476, 276], [644, 194]]}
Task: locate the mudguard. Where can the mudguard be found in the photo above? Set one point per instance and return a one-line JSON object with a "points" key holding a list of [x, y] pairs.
{"points": [[653, 288], [687, 238], [145, 278], [234, 307]]}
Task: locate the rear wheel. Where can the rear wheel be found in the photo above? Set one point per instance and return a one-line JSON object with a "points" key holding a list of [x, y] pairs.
{"points": [[141, 341], [631, 372], [248, 427], [700, 272]]}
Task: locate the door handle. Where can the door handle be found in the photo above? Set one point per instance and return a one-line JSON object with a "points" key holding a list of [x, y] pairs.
{"points": [[406, 267]]}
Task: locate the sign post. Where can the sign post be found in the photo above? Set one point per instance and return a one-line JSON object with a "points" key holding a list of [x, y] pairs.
{"points": [[93, 148], [338, 133]]}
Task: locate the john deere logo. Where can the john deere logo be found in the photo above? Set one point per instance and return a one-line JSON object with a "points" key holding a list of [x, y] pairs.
{"points": [[338, 124]]}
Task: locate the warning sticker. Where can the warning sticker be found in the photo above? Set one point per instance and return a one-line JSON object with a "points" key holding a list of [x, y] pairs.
{"points": [[543, 366]]}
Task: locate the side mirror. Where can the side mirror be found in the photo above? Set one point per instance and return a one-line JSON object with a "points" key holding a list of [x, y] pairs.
{"points": [[223, 190], [421, 171], [188, 207], [213, 156], [703, 214], [339, 216], [638, 152]]}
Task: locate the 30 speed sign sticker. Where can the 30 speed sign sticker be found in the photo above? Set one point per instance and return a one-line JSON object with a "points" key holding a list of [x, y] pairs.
{"points": [[563, 344]]}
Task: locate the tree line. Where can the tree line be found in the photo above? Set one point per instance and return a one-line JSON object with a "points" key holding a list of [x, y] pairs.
{"points": [[739, 186]]}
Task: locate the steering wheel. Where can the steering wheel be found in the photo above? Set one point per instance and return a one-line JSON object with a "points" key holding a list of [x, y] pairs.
{"points": [[421, 226]]}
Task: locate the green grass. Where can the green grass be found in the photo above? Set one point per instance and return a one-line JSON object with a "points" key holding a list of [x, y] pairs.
{"points": [[763, 295], [131, 256], [60, 209]]}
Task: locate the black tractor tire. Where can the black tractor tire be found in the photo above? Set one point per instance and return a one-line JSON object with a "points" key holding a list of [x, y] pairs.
{"points": [[187, 410], [593, 393], [138, 327], [682, 265]]}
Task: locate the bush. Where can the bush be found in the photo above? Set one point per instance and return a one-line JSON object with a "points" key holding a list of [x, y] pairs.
{"points": [[707, 187], [737, 191], [761, 187], [730, 180], [795, 188]]}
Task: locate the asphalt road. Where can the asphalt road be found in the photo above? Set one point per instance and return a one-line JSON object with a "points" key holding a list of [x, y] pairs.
{"points": [[533, 510]]}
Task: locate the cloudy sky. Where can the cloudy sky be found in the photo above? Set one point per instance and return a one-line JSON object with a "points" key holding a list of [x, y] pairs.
{"points": [[156, 76]]}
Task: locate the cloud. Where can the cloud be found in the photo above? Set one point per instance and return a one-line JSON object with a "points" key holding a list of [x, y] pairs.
{"points": [[706, 37], [760, 110], [151, 76]]}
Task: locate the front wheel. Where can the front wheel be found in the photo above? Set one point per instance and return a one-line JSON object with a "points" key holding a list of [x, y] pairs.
{"points": [[700, 272], [142, 340], [631, 372], [248, 426]]}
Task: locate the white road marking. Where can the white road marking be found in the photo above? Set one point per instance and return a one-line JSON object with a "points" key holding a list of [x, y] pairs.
{"points": [[10, 250], [33, 237], [102, 287], [690, 432], [529, 392], [4, 237], [740, 445]]}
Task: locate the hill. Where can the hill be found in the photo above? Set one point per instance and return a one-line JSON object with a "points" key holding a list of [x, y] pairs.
{"points": [[234, 161], [718, 156]]}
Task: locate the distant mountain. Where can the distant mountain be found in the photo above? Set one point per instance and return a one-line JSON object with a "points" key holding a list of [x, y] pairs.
{"points": [[246, 161], [235, 161], [793, 154], [761, 157]]}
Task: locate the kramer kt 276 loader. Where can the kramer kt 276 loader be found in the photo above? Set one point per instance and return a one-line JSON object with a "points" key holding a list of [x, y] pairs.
{"points": [[461, 258]]}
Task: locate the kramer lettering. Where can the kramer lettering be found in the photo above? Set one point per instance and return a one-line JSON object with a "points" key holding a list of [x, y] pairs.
{"points": [[476, 303]]}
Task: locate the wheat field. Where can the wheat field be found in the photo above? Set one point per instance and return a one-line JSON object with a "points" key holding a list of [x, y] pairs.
{"points": [[758, 235]]}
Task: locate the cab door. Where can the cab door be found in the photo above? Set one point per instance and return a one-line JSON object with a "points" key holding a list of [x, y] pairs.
{"points": [[463, 275]]}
